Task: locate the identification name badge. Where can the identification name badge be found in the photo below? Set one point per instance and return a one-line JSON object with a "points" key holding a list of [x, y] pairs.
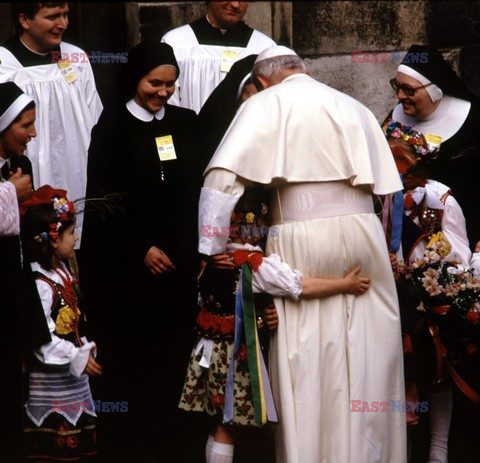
{"points": [[67, 71], [165, 148], [228, 59], [433, 142]]}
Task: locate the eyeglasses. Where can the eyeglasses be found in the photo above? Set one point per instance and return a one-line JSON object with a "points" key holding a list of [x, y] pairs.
{"points": [[407, 89]]}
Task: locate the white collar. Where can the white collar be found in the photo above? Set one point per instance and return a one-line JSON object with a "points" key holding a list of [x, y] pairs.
{"points": [[445, 121], [3, 161], [142, 114], [33, 51], [223, 31]]}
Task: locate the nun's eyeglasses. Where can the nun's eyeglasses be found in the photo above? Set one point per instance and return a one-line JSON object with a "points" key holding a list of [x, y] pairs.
{"points": [[409, 91]]}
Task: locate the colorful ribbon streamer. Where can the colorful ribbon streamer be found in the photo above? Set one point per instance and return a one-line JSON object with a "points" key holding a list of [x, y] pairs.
{"points": [[246, 323]]}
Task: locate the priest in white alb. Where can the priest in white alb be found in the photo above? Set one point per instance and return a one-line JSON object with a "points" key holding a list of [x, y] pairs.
{"points": [[207, 48], [67, 102], [336, 363]]}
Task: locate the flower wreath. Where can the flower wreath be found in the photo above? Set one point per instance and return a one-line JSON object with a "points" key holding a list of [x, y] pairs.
{"points": [[248, 218], [395, 129], [64, 210]]}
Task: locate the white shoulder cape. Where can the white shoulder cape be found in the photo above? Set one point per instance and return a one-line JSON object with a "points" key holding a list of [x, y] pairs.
{"points": [[303, 131]]}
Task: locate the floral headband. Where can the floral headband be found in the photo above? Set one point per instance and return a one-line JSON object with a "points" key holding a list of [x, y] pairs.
{"points": [[247, 218], [395, 129], [64, 210]]}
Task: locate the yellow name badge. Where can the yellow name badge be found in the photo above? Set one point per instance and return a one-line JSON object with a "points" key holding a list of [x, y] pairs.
{"points": [[165, 148], [433, 141], [228, 59], [67, 71]]}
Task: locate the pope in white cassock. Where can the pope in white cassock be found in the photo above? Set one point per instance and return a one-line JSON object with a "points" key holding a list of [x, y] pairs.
{"points": [[334, 360]]}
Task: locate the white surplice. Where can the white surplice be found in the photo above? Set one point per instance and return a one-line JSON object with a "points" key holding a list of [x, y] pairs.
{"points": [[201, 65], [65, 116]]}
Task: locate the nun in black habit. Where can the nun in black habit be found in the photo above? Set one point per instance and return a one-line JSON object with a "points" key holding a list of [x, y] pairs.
{"points": [[434, 100], [448, 115], [139, 263]]}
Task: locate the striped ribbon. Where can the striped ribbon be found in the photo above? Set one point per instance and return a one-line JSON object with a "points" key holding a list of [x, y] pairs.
{"points": [[245, 322], [397, 220]]}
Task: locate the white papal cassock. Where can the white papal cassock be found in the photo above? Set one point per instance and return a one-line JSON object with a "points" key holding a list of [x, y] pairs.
{"points": [[322, 155]]}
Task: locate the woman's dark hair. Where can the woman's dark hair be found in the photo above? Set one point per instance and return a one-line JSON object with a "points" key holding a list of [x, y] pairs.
{"points": [[29, 10], [37, 221]]}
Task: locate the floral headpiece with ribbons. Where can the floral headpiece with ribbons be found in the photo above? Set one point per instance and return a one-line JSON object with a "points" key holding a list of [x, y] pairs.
{"points": [[395, 129], [64, 209]]}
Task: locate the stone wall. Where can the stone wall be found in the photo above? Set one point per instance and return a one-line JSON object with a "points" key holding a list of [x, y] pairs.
{"points": [[324, 33]]}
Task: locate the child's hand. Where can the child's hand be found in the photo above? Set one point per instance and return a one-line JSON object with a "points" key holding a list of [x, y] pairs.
{"points": [[93, 368], [270, 317], [477, 247], [222, 262], [354, 284]]}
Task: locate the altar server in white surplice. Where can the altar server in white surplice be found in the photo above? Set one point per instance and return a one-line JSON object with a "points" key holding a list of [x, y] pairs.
{"points": [[67, 102], [333, 360], [207, 48]]}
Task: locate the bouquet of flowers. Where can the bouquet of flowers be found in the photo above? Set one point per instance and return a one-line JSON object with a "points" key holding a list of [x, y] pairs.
{"points": [[450, 299]]}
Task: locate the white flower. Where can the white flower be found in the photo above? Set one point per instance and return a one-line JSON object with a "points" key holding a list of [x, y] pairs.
{"points": [[431, 286], [431, 256], [451, 290]]}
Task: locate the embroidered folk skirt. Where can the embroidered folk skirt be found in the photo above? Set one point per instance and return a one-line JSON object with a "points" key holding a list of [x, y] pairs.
{"points": [[204, 388], [59, 440]]}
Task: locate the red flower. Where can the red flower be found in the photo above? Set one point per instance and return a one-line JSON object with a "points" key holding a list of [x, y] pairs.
{"points": [[242, 353], [218, 401], [473, 317], [237, 217]]}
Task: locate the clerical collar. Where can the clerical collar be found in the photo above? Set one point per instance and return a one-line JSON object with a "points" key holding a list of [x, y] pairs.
{"points": [[142, 114], [223, 31], [27, 57], [33, 51], [445, 121]]}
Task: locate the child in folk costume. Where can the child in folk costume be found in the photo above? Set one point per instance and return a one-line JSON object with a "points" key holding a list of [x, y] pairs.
{"points": [[426, 208], [213, 384], [60, 412]]}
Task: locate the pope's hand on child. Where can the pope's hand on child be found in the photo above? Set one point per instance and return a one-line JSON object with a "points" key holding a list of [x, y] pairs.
{"points": [[158, 262], [477, 247], [93, 368]]}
